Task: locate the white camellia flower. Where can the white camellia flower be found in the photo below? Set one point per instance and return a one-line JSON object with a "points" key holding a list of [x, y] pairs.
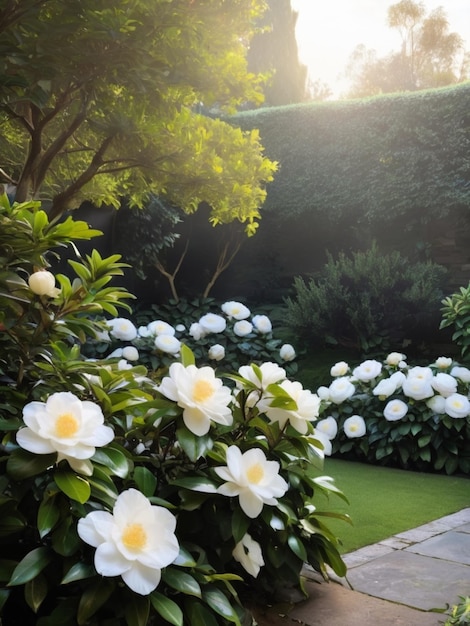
{"points": [[445, 384], [417, 388], [122, 328], [385, 388], [443, 362], [216, 352], [270, 373], [462, 373], [130, 353], [124, 365], [398, 378], [287, 352], [437, 404], [143, 332], [367, 370], [67, 425], [308, 407], [325, 441], [262, 323], [180, 328], [395, 410], [339, 369], [323, 393], [42, 283], [328, 426], [237, 310], [425, 373], [242, 328], [135, 542], [354, 426], [341, 389], [159, 327], [248, 553], [394, 358], [213, 323], [251, 477], [168, 343], [202, 396], [457, 405], [115, 354], [197, 331]]}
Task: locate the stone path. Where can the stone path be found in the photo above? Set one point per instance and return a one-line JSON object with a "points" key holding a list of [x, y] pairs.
{"points": [[401, 581]]}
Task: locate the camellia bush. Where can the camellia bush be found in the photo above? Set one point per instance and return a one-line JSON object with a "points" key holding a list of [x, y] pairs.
{"points": [[392, 413], [130, 498], [227, 335]]}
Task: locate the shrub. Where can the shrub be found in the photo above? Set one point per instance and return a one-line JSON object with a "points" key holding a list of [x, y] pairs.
{"points": [[460, 613], [456, 313], [369, 300], [227, 335], [410, 417], [127, 499]]}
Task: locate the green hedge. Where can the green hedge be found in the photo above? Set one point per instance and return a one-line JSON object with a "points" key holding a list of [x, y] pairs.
{"points": [[376, 158]]}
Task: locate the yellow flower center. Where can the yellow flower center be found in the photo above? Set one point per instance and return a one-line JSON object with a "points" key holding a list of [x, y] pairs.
{"points": [[255, 473], [66, 425], [134, 537], [353, 427], [202, 390]]}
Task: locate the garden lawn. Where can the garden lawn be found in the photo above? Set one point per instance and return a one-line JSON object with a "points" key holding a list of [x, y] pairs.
{"points": [[385, 501]]}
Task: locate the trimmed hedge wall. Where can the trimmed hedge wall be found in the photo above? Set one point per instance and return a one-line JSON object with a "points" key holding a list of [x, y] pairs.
{"points": [[379, 158]]}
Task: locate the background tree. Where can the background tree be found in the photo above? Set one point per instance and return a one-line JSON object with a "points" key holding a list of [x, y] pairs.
{"points": [[100, 102], [430, 55], [273, 51]]}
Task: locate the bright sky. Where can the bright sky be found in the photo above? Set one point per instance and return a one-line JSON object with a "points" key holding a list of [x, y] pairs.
{"points": [[328, 32]]}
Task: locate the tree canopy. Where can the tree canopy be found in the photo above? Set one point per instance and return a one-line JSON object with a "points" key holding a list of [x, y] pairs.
{"points": [[100, 102], [430, 55]]}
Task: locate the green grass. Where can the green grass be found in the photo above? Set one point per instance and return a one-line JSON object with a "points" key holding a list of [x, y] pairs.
{"points": [[385, 501]]}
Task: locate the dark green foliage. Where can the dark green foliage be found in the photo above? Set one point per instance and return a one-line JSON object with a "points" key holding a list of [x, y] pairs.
{"points": [[456, 314], [384, 158], [367, 300], [421, 441]]}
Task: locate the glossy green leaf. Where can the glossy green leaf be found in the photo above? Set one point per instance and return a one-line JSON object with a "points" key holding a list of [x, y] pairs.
{"points": [[194, 446], [65, 540], [74, 486], [48, 516], [196, 483], [240, 524], [220, 604], [199, 615], [93, 598], [78, 571], [145, 480], [4, 594], [30, 566], [167, 608], [22, 464], [114, 459], [181, 581], [187, 356], [137, 610], [35, 592], [297, 547]]}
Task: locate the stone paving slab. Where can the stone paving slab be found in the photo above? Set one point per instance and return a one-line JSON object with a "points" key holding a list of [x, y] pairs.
{"points": [[450, 546], [418, 581], [331, 604]]}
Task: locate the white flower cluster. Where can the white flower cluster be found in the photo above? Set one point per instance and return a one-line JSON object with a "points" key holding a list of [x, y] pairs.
{"points": [[443, 386], [168, 339]]}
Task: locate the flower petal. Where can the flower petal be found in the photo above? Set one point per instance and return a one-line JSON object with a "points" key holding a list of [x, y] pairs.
{"points": [[109, 561], [250, 503], [29, 440], [141, 579], [95, 527]]}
